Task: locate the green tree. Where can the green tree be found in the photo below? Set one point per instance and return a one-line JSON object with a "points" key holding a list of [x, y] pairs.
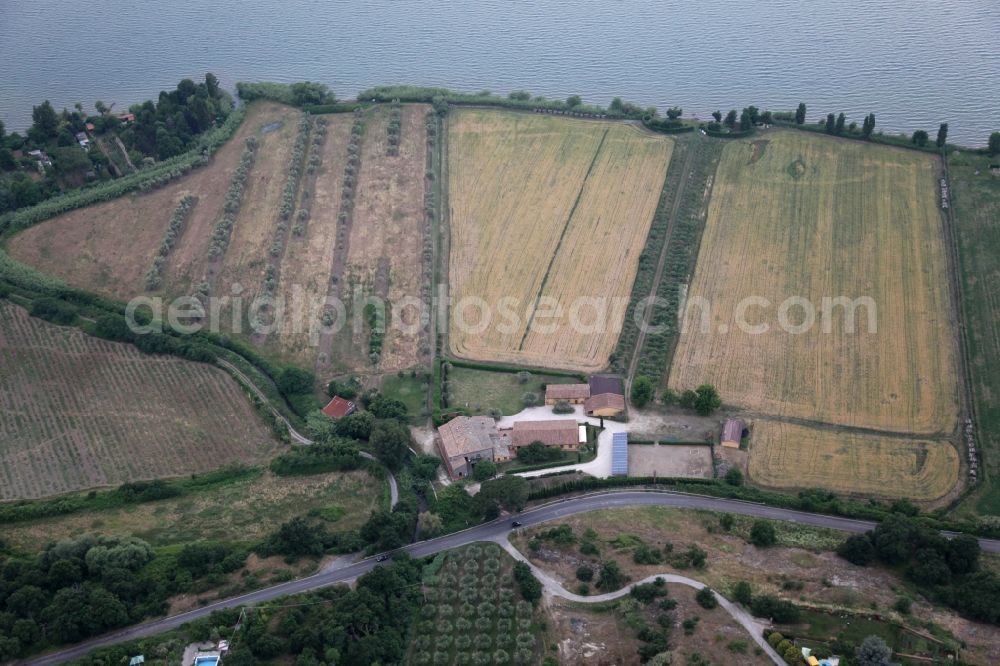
{"points": [[857, 549], [584, 573], [295, 381], [746, 120], [707, 400], [674, 112], [530, 587], [642, 391], [734, 476], [994, 143], [520, 95], [800, 113], [762, 534], [45, 120], [391, 441], [778, 610], [706, 598], [873, 651], [743, 593], [920, 138], [942, 135], [430, 524], [717, 115], [573, 100], [612, 577], [831, 123], [506, 492], [483, 470], [730, 121], [868, 126], [839, 128]]}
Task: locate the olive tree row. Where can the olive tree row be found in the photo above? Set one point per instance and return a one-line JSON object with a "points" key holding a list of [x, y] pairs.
{"points": [[153, 275]]}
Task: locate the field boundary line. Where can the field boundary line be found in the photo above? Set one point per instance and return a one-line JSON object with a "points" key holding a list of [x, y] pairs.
{"points": [[562, 236]]}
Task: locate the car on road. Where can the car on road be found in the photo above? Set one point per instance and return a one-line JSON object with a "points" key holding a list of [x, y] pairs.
{"points": [[516, 523], [381, 558]]}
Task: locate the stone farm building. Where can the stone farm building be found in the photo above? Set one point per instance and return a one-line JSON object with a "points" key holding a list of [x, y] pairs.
{"points": [[562, 433], [604, 404], [465, 440], [574, 394]]}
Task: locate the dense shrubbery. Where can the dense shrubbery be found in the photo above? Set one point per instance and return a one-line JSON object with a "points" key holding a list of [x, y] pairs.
{"points": [[946, 570], [302, 93], [338, 455], [83, 587], [167, 244], [536, 453]]}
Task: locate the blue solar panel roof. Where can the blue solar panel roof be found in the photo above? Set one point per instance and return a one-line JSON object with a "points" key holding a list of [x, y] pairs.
{"points": [[619, 454]]}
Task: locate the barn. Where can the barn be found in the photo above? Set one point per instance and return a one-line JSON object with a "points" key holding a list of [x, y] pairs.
{"points": [[563, 433], [605, 404], [732, 433]]}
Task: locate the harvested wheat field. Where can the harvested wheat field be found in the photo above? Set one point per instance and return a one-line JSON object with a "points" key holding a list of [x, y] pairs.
{"points": [[792, 456], [545, 210], [78, 412], [108, 247], [810, 217], [384, 256]]}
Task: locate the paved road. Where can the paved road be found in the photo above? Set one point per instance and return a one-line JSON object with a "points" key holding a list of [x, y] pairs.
{"points": [[488, 532]]}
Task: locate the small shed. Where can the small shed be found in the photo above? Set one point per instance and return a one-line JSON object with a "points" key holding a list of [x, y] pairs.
{"points": [[732, 433], [339, 407], [619, 454]]}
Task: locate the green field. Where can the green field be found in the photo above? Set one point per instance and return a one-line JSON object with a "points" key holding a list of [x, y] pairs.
{"points": [[245, 510], [976, 203], [482, 390], [411, 391]]}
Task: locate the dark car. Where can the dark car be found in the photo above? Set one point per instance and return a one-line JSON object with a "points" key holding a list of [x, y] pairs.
{"points": [[516, 523], [381, 558]]}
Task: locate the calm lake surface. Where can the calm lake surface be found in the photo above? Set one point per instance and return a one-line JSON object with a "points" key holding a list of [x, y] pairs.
{"points": [[915, 63]]}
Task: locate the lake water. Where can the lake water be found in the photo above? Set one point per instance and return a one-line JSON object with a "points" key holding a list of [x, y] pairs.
{"points": [[915, 63]]}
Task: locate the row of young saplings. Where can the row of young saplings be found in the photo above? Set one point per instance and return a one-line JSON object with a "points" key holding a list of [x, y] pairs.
{"points": [[154, 275], [430, 210], [393, 129], [230, 208], [347, 192], [291, 189]]}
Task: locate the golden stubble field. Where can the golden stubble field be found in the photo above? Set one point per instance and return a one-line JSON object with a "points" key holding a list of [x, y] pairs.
{"points": [[550, 208], [783, 455], [78, 412], [807, 217]]}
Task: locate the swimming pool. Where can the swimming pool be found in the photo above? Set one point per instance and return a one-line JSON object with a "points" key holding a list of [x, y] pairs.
{"points": [[211, 660]]}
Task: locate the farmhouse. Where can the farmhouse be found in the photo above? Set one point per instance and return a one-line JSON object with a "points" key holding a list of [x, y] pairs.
{"points": [[465, 440], [732, 433], [574, 394], [604, 404], [563, 433], [339, 408]]}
